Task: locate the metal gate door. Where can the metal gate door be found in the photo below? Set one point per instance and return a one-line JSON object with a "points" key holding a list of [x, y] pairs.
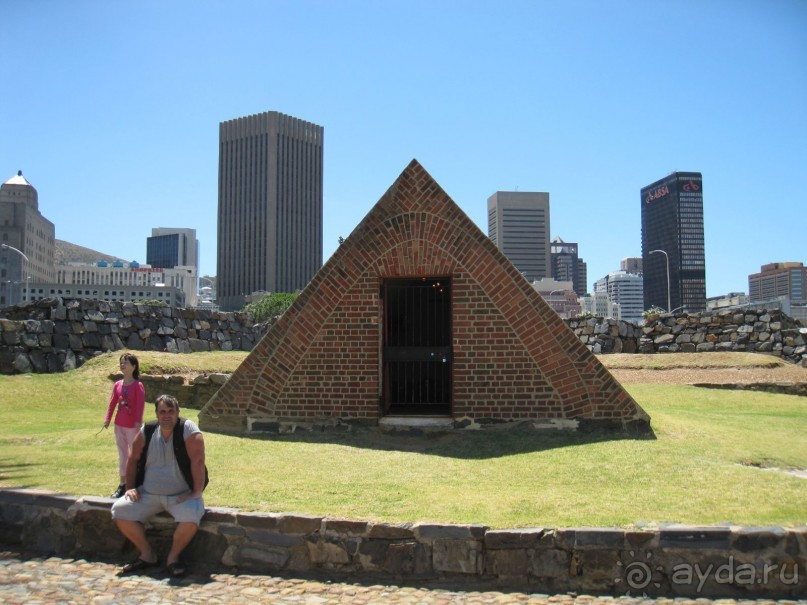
{"points": [[417, 346]]}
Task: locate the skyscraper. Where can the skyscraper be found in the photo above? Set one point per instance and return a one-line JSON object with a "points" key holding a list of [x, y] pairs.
{"points": [[518, 223], [270, 206], [567, 265], [673, 244], [168, 248]]}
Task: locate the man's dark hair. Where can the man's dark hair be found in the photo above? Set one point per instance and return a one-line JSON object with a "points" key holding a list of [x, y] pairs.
{"points": [[171, 402]]}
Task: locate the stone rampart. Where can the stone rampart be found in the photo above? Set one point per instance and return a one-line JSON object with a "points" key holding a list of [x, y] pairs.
{"points": [[673, 561], [55, 335], [753, 331], [606, 335]]}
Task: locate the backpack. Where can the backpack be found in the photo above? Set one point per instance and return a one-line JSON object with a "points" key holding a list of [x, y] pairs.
{"points": [[180, 453]]}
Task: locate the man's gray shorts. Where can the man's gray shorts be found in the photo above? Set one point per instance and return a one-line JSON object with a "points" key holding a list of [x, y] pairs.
{"points": [[190, 511]]}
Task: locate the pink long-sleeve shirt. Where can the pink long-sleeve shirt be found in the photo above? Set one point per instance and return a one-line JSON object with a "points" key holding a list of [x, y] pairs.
{"points": [[130, 400]]}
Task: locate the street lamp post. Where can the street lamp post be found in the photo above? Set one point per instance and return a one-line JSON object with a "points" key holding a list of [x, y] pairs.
{"points": [[27, 262], [549, 300], [667, 258], [10, 285]]}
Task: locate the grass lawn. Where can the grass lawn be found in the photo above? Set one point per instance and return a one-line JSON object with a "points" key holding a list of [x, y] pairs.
{"points": [[703, 467]]}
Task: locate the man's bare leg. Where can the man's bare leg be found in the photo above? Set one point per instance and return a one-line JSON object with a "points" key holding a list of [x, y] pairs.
{"points": [[136, 534], [183, 535]]}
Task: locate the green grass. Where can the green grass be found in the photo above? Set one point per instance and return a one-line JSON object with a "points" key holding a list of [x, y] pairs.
{"points": [[699, 469]]}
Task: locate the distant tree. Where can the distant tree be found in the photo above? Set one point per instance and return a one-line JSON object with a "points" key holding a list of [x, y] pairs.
{"points": [[271, 305]]}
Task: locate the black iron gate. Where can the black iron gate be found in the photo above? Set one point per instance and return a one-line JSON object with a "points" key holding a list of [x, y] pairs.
{"points": [[417, 346]]}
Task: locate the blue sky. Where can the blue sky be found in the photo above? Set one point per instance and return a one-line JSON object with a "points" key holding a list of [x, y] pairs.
{"points": [[111, 109]]}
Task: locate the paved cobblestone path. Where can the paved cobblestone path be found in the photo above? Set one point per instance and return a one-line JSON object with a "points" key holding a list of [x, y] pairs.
{"points": [[33, 580]]}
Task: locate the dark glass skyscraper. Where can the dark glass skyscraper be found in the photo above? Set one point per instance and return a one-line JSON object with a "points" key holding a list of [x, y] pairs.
{"points": [[567, 265], [168, 248], [672, 223], [270, 206]]}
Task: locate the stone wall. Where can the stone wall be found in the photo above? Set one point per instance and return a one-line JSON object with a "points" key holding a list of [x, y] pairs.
{"points": [[55, 335], [193, 393], [756, 331], [606, 335], [674, 561]]}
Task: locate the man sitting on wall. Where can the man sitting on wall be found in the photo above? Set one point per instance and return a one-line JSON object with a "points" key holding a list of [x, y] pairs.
{"points": [[166, 472]]}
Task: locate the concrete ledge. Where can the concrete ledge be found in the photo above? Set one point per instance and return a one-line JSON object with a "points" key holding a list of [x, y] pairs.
{"points": [[679, 561]]}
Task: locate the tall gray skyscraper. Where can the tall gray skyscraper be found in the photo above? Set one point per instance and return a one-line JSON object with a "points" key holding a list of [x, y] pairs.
{"points": [[270, 206], [518, 223]]}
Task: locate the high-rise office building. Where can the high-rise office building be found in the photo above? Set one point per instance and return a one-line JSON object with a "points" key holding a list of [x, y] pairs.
{"points": [[270, 206], [567, 265], [518, 223], [779, 280], [624, 289], [672, 243], [168, 248], [27, 241]]}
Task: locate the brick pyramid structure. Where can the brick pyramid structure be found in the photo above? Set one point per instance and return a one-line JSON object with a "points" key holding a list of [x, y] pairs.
{"points": [[512, 358]]}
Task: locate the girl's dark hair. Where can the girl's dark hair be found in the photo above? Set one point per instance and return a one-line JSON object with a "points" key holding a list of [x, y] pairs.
{"points": [[132, 360]]}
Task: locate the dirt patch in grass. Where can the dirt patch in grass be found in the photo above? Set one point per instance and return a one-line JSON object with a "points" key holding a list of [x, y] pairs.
{"points": [[695, 368], [659, 368]]}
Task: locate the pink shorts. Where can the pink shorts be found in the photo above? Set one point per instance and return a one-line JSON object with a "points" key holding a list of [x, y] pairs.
{"points": [[124, 438]]}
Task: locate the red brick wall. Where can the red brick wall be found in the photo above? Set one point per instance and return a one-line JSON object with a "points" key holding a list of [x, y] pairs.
{"points": [[514, 358]]}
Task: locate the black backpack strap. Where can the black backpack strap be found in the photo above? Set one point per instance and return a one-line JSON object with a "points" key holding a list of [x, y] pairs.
{"points": [[181, 455], [148, 430]]}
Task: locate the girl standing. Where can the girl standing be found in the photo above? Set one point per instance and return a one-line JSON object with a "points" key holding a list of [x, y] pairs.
{"points": [[129, 395]]}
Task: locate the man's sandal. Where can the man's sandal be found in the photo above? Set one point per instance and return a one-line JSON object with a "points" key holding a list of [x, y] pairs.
{"points": [[176, 569], [136, 565]]}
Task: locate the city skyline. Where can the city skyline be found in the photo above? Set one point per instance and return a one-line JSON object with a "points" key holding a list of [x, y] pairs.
{"points": [[584, 101]]}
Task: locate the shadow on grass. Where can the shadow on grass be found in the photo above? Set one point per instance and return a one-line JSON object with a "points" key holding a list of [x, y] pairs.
{"points": [[15, 472], [466, 445]]}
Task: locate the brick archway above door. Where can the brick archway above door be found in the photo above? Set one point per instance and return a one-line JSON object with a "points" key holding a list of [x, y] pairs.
{"points": [[513, 358]]}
